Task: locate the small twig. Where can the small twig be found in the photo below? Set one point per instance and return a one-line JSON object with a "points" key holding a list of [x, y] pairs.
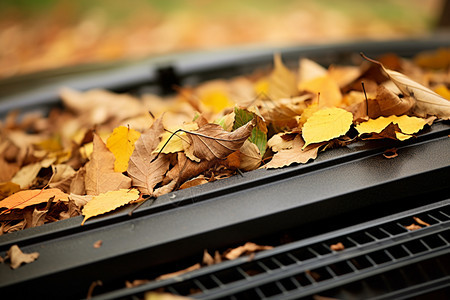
{"points": [[240, 172], [92, 287]]}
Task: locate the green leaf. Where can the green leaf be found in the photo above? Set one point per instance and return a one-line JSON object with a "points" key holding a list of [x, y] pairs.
{"points": [[258, 136]]}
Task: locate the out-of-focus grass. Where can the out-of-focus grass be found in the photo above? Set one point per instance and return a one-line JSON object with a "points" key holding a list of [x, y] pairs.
{"points": [[36, 35]]}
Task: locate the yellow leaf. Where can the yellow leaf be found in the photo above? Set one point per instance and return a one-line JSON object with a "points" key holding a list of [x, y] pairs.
{"points": [[108, 201], [330, 93], [216, 100], [308, 112], [175, 144], [326, 124], [8, 188], [443, 91], [121, 144], [408, 125]]}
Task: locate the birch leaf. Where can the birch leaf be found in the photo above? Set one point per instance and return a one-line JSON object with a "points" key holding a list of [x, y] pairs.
{"points": [[326, 124], [121, 144], [108, 201]]}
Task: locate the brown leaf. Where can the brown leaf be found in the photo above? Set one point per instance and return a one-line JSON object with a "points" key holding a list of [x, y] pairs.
{"points": [[8, 170], [207, 258], [337, 247], [390, 153], [247, 248], [286, 157], [98, 244], [100, 175], [37, 218], [250, 157], [420, 221], [62, 177], [413, 227], [144, 172], [211, 141], [17, 257], [187, 169], [427, 102], [181, 272], [194, 182], [136, 282], [77, 185]]}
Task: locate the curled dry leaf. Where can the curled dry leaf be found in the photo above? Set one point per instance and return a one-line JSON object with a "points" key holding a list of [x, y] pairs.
{"points": [[390, 153], [181, 272], [421, 222], [337, 247], [413, 227], [17, 257], [247, 248], [211, 141], [296, 154], [427, 102]]}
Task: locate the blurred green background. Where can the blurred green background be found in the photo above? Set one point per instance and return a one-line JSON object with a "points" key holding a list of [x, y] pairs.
{"points": [[45, 34]]}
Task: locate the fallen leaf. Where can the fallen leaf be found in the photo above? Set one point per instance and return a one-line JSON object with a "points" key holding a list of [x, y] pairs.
{"points": [[37, 218], [100, 174], [121, 144], [250, 156], [181, 272], [108, 201], [99, 105], [413, 227], [17, 257], [296, 154], [144, 172], [282, 83], [98, 244], [259, 132], [8, 170], [443, 91], [163, 296], [326, 124], [247, 248], [427, 102], [309, 70], [7, 189], [337, 247], [135, 283], [329, 92], [62, 177], [390, 153], [207, 258], [212, 142], [407, 125], [420, 221], [26, 198], [193, 182], [27, 174]]}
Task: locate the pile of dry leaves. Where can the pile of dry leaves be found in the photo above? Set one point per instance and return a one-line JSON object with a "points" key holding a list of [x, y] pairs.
{"points": [[106, 150]]}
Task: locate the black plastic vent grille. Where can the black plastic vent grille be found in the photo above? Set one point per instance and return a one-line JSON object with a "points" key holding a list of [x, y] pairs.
{"points": [[373, 252]]}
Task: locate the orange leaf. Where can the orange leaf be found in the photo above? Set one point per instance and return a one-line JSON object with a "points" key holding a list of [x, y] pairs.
{"points": [[107, 202], [26, 198]]}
